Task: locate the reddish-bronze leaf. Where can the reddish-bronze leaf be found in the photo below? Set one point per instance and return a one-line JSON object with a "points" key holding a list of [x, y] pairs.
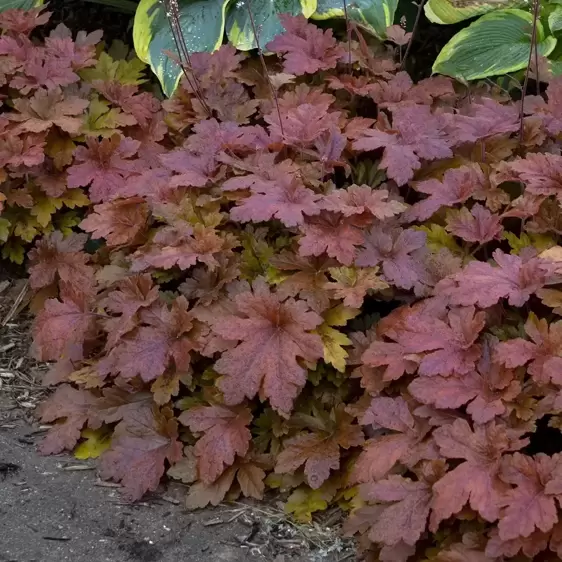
{"points": [[120, 222], [475, 481], [56, 257], [140, 446], [225, 435], [319, 452], [148, 351], [74, 407], [272, 334]]}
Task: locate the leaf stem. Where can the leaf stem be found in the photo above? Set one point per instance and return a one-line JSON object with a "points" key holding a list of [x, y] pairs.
{"points": [[536, 5], [414, 29], [264, 65], [172, 13]]}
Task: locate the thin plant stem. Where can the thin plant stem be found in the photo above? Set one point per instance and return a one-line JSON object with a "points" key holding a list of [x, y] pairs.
{"points": [[415, 28], [172, 12], [264, 65], [348, 32], [536, 6]]}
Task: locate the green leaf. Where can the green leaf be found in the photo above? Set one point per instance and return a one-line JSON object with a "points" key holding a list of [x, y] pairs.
{"points": [[443, 12], [497, 43], [202, 23], [4, 229], [555, 19], [373, 15], [265, 15], [19, 4]]}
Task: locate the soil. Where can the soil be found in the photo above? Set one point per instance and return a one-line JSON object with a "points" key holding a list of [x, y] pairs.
{"points": [[55, 509]]}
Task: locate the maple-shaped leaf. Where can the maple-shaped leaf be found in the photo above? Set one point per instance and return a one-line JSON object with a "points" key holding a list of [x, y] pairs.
{"points": [[457, 185], [263, 172], [182, 247], [140, 105], [476, 480], [353, 284], [407, 444], [306, 48], [541, 173], [405, 512], [548, 111], [225, 435], [319, 451], [140, 447], [331, 234], [62, 326], [305, 277], [272, 334], [532, 503], [23, 21], [416, 135], [530, 546], [47, 108], [476, 225], [302, 125], [400, 89], [249, 473], [56, 257], [120, 221], [544, 351], [194, 169], [129, 297], [105, 166], [81, 52], [41, 69], [364, 201], [485, 389], [74, 407], [163, 337], [395, 250], [483, 284], [287, 200], [482, 119], [116, 404], [27, 150]]}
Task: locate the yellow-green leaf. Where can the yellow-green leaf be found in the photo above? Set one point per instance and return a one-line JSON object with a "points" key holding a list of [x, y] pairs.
{"points": [[75, 197], [44, 208], [5, 227], [438, 238], [96, 441], [123, 71], [304, 501], [13, 250], [333, 340]]}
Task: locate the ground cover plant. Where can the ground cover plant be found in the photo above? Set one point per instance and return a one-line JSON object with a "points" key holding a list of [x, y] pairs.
{"points": [[326, 281]]}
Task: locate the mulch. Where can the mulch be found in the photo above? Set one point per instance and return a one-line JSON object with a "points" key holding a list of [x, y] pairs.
{"points": [[20, 374]]}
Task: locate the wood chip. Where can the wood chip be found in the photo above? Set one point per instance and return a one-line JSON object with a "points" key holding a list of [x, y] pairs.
{"points": [[77, 467]]}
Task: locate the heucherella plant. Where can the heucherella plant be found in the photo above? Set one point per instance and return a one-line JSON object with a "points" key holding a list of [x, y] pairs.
{"points": [[329, 281]]}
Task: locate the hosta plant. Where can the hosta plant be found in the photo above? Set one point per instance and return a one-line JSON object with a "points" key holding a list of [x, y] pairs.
{"points": [[203, 24], [330, 282], [499, 41]]}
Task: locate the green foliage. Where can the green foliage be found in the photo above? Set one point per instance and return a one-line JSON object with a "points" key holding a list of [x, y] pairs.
{"points": [[499, 41], [204, 22]]}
